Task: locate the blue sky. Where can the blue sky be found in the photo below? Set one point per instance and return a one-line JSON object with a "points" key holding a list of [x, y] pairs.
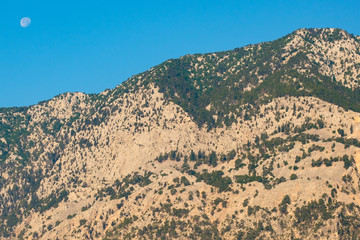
{"points": [[89, 46]]}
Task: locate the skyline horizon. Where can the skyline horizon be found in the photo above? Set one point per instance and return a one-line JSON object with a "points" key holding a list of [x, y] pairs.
{"points": [[72, 47], [90, 93]]}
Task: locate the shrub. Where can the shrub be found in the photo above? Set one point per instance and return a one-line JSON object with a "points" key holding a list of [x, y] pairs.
{"points": [[82, 222], [293, 176]]}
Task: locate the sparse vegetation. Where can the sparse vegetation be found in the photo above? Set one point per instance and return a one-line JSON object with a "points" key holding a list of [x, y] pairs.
{"points": [[269, 113]]}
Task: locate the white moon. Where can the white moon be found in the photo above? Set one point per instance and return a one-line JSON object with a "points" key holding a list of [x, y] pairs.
{"points": [[25, 22]]}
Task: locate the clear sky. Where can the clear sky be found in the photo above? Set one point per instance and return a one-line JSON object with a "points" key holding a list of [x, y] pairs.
{"points": [[89, 46]]}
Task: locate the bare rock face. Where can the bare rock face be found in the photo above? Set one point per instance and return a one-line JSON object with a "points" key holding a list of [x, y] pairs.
{"points": [[260, 142]]}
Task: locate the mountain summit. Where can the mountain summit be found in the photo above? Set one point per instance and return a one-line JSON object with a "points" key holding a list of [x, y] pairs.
{"points": [[259, 142]]}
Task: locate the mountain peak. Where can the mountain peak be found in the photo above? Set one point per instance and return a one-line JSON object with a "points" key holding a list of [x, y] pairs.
{"points": [[323, 33]]}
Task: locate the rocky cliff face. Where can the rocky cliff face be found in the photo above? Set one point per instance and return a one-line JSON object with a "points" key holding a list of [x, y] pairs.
{"points": [[257, 142]]}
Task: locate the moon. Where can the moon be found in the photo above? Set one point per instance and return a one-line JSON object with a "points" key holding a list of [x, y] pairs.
{"points": [[25, 22]]}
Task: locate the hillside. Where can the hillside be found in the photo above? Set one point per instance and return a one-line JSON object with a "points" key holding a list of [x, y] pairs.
{"points": [[261, 141]]}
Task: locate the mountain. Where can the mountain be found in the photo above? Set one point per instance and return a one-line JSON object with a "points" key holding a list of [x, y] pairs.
{"points": [[259, 142]]}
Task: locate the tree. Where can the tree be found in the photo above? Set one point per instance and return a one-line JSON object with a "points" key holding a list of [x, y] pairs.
{"points": [[284, 204], [341, 132]]}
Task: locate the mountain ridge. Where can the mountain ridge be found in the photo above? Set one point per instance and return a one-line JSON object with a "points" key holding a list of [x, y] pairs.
{"points": [[243, 124]]}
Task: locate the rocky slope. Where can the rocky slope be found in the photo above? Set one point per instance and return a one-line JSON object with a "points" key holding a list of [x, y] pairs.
{"points": [[257, 142]]}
